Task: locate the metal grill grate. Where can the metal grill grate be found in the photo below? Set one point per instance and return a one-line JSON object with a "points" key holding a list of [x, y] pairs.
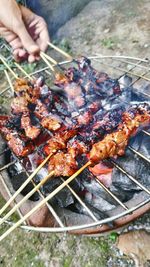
{"points": [[138, 69]]}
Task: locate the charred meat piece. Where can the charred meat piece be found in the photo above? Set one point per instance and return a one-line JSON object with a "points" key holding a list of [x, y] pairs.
{"points": [[61, 80], [41, 110], [51, 122], [19, 105], [59, 141], [31, 131], [21, 86], [64, 164], [30, 91], [106, 121], [47, 119], [84, 118], [75, 96], [115, 143], [16, 143], [76, 147], [60, 105], [93, 80], [3, 120]]}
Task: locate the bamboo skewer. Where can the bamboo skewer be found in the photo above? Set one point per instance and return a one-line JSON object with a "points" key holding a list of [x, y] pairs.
{"points": [[56, 69], [60, 51], [52, 194], [50, 58], [23, 71], [24, 184], [43, 181], [8, 67], [9, 81], [46, 61]]}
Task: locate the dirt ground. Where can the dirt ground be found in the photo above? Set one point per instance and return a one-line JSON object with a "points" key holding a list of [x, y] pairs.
{"points": [[108, 27]]}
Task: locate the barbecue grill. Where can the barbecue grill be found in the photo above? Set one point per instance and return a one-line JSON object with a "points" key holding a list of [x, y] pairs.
{"points": [[118, 67]]}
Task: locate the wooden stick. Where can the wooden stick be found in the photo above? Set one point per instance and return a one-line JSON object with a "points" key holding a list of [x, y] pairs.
{"points": [[60, 51], [46, 61], [7, 66], [52, 194], [43, 181], [24, 184], [50, 58], [9, 81], [23, 71]]}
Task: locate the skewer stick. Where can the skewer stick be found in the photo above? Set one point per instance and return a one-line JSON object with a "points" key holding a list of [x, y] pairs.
{"points": [[7, 66], [23, 71], [24, 184], [53, 68], [52, 194], [60, 51], [46, 61], [9, 81], [43, 181], [50, 58]]}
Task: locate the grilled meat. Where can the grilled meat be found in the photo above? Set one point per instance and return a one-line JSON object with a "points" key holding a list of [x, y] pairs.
{"points": [[30, 131], [19, 105], [80, 107], [16, 143], [59, 141], [64, 164], [51, 122], [41, 110], [115, 143]]}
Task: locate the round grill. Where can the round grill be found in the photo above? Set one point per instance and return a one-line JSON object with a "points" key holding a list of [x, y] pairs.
{"points": [[117, 67]]}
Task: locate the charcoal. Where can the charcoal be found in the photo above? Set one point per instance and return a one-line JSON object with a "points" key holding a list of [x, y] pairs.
{"points": [[96, 212], [18, 176], [135, 166], [91, 185], [64, 198], [100, 203], [141, 144], [120, 193]]}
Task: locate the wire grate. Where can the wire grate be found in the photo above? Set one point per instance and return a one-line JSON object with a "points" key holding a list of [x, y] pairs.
{"points": [[118, 66]]}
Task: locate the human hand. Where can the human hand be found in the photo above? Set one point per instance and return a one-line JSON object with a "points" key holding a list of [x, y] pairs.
{"points": [[25, 31]]}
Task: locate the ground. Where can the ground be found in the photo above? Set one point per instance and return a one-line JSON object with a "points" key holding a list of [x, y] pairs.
{"points": [[109, 27]]}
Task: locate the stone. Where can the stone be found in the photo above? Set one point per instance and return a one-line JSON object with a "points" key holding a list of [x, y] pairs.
{"points": [[136, 244]]}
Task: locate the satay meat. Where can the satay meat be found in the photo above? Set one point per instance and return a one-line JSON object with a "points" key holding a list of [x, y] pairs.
{"points": [[64, 164], [31, 131], [114, 144]]}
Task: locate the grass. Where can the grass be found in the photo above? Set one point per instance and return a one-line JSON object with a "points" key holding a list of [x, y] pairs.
{"points": [[110, 42], [64, 44]]}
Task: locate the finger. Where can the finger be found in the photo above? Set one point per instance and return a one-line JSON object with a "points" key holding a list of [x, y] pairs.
{"points": [[31, 58], [43, 40], [27, 41], [20, 55], [16, 43], [42, 32], [37, 58], [16, 55]]}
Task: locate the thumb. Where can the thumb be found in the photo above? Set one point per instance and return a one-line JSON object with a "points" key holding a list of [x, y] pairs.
{"points": [[27, 41]]}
